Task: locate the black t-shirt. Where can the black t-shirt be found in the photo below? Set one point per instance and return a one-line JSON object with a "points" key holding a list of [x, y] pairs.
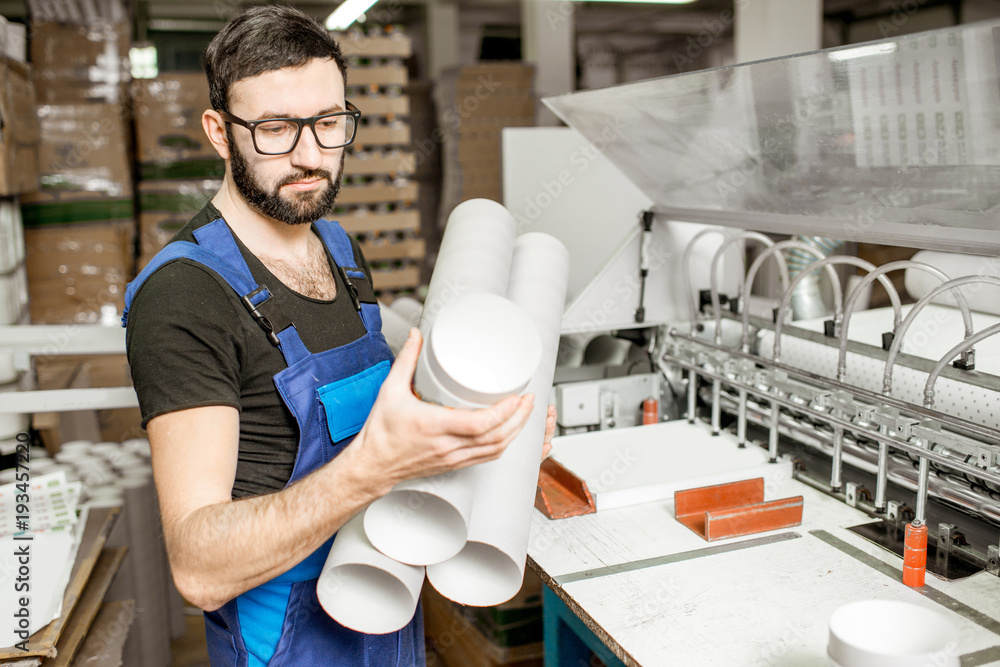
{"points": [[192, 343]]}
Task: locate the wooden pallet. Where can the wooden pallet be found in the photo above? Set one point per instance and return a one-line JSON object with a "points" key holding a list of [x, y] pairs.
{"points": [[377, 165], [368, 223], [383, 105], [381, 135], [378, 75], [396, 278], [388, 46], [407, 248], [377, 193], [381, 214]]}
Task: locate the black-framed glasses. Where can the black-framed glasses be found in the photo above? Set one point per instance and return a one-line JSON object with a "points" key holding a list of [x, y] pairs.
{"points": [[277, 136]]}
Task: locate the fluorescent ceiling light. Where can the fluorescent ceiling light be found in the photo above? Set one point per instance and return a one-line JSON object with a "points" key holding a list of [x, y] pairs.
{"points": [[658, 2], [862, 51], [348, 12]]}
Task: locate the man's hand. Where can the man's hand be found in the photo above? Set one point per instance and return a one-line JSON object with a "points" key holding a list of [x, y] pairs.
{"points": [[405, 438], [550, 430]]}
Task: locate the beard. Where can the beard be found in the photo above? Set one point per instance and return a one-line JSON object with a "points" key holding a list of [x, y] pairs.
{"points": [[299, 208]]}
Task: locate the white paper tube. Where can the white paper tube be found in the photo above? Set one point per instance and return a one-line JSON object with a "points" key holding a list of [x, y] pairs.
{"points": [[490, 568], [982, 298], [480, 349], [364, 590], [408, 308], [474, 257], [395, 328]]}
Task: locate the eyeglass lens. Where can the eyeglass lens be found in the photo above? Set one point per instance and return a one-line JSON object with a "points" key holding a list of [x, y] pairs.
{"points": [[278, 136]]}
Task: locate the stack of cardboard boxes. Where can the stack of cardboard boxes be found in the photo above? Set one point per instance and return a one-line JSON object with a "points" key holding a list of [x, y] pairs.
{"points": [[474, 105], [79, 225], [488, 98], [179, 170]]}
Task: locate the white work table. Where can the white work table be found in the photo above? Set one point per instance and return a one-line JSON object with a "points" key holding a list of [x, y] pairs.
{"points": [[658, 594]]}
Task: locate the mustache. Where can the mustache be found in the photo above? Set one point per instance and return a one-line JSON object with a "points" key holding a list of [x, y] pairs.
{"points": [[306, 175]]}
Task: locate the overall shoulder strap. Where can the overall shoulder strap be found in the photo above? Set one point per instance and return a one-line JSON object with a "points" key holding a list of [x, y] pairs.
{"points": [[361, 289], [217, 250]]}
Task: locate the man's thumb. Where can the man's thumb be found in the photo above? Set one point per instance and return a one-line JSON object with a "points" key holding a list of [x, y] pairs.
{"points": [[406, 360]]}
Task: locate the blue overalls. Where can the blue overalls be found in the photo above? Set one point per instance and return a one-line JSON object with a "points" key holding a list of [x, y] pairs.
{"points": [[281, 623]]}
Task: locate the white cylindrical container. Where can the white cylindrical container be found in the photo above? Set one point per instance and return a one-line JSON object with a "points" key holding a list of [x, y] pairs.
{"points": [[365, 590], [490, 568], [480, 349], [889, 633], [474, 257], [8, 476]]}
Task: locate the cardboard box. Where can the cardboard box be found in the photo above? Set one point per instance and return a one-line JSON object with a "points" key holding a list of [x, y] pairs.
{"points": [[84, 148], [75, 63], [79, 256], [167, 113], [498, 73], [165, 207], [19, 132]]}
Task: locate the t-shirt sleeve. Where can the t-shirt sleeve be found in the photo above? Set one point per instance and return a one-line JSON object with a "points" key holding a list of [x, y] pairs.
{"points": [[185, 341]]}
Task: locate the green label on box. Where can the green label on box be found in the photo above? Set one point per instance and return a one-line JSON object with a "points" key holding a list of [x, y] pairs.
{"points": [[214, 168], [60, 213]]}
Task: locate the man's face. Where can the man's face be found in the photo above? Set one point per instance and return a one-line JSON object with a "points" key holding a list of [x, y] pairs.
{"points": [[301, 186]]}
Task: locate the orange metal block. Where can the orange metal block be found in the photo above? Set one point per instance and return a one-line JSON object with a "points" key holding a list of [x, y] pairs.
{"points": [[560, 493], [730, 510]]}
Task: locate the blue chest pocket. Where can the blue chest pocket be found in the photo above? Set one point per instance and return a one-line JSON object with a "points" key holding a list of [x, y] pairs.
{"points": [[347, 402]]}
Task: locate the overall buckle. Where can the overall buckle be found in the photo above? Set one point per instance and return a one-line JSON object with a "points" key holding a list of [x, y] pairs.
{"points": [[261, 319]]}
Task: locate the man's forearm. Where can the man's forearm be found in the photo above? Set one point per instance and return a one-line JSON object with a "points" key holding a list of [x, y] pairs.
{"points": [[222, 550]]}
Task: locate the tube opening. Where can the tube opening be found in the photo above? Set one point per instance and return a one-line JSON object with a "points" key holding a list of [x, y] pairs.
{"points": [[415, 527], [365, 598], [480, 575]]}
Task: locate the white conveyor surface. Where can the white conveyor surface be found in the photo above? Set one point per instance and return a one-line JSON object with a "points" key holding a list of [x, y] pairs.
{"points": [[763, 605]]}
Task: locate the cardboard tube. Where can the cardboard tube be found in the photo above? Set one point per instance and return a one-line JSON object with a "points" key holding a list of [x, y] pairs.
{"points": [[364, 590], [490, 568], [474, 257], [481, 349]]}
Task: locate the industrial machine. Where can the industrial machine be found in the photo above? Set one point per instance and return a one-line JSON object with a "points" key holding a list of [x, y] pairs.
{"points": [[894, 411]]}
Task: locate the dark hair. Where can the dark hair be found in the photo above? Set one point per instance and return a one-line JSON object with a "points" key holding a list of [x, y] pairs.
{"points": [[261, 39]]}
